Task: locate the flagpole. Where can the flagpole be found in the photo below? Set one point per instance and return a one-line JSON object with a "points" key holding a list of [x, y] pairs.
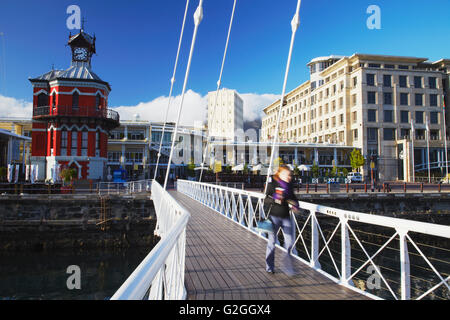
{"points": [[428, 147], [412, 145], [445, 138]]}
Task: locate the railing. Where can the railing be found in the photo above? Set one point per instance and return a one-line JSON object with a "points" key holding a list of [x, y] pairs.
{"points": [[364, 240], [129, 187], [433, 165], [82, 111], [161, 274]]}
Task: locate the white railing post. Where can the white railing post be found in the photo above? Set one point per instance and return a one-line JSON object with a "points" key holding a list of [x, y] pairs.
{"points": [[405, 276], [346, 260], [314, 242]]}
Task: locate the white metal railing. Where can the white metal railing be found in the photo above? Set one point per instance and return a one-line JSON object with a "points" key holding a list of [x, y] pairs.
{"points": [[129, 187], [245, 208], [161, 274]]}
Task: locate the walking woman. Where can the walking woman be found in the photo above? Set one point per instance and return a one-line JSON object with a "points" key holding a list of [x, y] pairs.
{"points": [[280, 194]]}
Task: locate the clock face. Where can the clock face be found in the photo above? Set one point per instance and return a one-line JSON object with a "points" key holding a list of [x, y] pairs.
{"points": [[80, 54]]}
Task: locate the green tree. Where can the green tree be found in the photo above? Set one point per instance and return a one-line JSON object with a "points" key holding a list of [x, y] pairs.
{"points": [[315, 170], [68, 174], [190, 169], [356, 159]]}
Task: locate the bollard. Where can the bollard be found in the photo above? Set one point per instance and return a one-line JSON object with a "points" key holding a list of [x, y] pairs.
{"points": [[384, 187], [404, 187], [365, 187], [315, 187], [440, 187], [307, 187], [346, 187], [328, 188], [421, 187]]}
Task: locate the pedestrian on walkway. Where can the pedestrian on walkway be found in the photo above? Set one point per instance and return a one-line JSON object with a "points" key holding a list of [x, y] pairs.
{"points": [[280, 195]]}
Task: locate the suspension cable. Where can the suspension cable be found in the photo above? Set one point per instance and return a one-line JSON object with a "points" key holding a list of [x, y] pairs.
{"points": [[198, 16], [294, 25], [172, 81], [208, 139]]}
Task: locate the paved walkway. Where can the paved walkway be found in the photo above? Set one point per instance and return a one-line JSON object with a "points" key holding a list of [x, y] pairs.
{"points": [[225, 261]]}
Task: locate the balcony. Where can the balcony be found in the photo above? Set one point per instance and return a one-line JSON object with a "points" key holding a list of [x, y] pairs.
{"points": [[110, 116]]}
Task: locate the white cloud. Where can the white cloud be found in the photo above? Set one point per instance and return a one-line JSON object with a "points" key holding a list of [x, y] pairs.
{"points": [[194, 108], [11, 107]]}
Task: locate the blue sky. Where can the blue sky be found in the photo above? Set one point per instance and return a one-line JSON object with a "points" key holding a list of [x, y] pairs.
{"points": [[137, 41]]}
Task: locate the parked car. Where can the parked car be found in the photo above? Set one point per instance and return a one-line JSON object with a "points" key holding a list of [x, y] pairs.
{"points": [[354, 177]]}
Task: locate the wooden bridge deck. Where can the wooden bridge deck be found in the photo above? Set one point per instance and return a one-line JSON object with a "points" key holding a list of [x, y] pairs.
{"points": [[225, 261]]}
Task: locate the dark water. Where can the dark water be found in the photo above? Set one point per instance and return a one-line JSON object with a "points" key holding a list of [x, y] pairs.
{"points": [[42, 275]]}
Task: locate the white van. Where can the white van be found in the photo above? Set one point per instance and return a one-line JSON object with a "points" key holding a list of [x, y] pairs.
{"points": [[354, 177]]}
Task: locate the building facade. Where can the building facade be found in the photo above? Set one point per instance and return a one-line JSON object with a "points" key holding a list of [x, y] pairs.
{"points": [[71, 120], [225, 115], [369, 102]]}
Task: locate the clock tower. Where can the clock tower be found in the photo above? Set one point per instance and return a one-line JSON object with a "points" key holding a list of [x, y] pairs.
{"points": [[71, 119]]}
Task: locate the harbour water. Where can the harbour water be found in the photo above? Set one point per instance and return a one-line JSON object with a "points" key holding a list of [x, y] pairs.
{"points": [[43, 274]]}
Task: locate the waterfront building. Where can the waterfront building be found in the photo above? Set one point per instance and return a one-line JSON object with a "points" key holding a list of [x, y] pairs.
{"points": [[14, 149], [368, 102], [71, 119], [226, 116]]}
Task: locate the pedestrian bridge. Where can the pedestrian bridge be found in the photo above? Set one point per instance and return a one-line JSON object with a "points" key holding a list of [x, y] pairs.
{"points": [[210, 249]]}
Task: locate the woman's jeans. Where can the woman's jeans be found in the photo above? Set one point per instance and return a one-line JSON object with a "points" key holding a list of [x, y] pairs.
{"points": [[286, 225]]}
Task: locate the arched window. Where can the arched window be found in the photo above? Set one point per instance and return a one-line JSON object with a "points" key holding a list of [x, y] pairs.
{"points": [[74, 146], [53, 99], [75, 100], [64, 142], [84, 142], [98, 101], [42, 100]]}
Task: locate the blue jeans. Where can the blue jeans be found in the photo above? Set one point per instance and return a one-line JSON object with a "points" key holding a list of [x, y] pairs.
{"points": [[286, 225]]}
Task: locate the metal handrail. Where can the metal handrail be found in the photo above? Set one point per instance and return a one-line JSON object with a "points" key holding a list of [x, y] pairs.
{"points": [[161, 274], [239, 206], [81, 111]]}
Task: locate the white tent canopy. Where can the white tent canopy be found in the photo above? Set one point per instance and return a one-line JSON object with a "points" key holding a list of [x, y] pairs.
{"points": [[258, 167], [239, 167], [304, 167]]}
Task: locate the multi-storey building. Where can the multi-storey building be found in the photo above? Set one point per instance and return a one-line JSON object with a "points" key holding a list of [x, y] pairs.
{"points": [[70, 116], [225, 115], [368, 101]]}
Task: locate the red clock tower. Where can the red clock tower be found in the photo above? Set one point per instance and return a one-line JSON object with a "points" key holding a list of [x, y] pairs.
{"points": [[70, 116]]}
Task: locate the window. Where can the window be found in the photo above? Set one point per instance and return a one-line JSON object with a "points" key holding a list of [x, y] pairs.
{"points": [[433, 100], [355, 82], [389, 66], [97, 140], [98, 101], [387, 80], [388, 116], [434, 118], [402, 81], [74, 146], [419, 116], [419, 99], [75, 100], [371, 97], [434, 134], [355, 134], [372, 134], [84, 142], [137, 135], [404, 116], [63, 142], [403, 67], [53, 99], [388, 134], [341, 117], [404, 133], [372, 115], [374, 65], [370, 79], [418, 82], [387, 98], [354, 117], [42, 100], [420, 134], [354, 100], [404, 99], [432, 82]]}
